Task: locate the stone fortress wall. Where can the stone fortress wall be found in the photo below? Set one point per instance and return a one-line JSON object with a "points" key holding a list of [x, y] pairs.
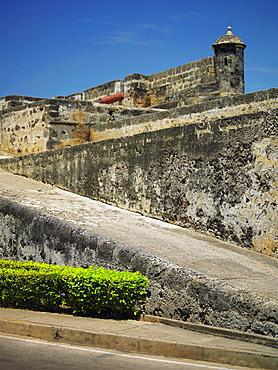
{"points": [[30, 126], [213, 170], [175, 291], [207, 78], [184, 145], [182, 85], [200, 113], [108, 88]]}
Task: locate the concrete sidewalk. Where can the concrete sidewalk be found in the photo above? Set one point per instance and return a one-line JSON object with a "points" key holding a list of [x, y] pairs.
{"points": [[241, 268], [144, 337]]}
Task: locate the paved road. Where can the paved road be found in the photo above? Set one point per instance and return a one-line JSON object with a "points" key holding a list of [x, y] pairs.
{"points": [[18, 353], [242, 268]]}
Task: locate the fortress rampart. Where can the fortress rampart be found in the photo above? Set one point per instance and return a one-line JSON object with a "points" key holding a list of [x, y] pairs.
{"points": [[213, 170], [197, 113], [178, 292], [203, 79], [29, 126], [185, 146], [185, 84]]}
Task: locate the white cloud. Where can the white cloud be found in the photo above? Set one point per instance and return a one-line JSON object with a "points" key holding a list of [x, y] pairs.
{"points": [[137, 34], [182, 17], [93, 20], [119, 37], [151, 26], [124, 37], [154, 27], [263, 69]]}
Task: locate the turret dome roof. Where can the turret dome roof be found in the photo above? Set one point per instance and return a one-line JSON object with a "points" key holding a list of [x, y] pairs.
{"points": [[229, 38]]}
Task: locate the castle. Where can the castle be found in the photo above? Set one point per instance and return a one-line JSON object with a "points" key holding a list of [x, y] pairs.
{"points": [[56, 122], [203, 79], [185, 145]]}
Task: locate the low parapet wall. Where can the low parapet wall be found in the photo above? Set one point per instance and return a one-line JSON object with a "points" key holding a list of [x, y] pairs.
{"points": [[30, 125], [108, 88], [184, 84], [174, 291], [197, 113], [218, 176], [12, 101]]}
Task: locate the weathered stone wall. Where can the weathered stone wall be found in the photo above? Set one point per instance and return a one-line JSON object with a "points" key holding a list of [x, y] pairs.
{"points": [[24, 130], [219, 176], [186, 84], [198, 113], [108, 88], [33, 125], [11, 101], [174, 291]]}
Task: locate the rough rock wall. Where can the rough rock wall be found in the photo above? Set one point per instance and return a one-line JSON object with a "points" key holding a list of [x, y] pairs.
{"points": [[219, 177], [24, 130], [200, 114], [186, 84], [11, 101], [108, 88], [174, 291], [28, 126]]}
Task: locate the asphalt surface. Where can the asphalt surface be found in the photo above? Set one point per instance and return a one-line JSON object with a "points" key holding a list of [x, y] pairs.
{"points": [[23, 353], [143, 337]]}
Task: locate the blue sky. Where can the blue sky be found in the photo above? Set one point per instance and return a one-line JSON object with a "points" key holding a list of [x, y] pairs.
{"points": [[60, 47]]}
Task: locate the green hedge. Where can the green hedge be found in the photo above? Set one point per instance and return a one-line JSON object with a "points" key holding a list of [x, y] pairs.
{"points": [[83, 291]]}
